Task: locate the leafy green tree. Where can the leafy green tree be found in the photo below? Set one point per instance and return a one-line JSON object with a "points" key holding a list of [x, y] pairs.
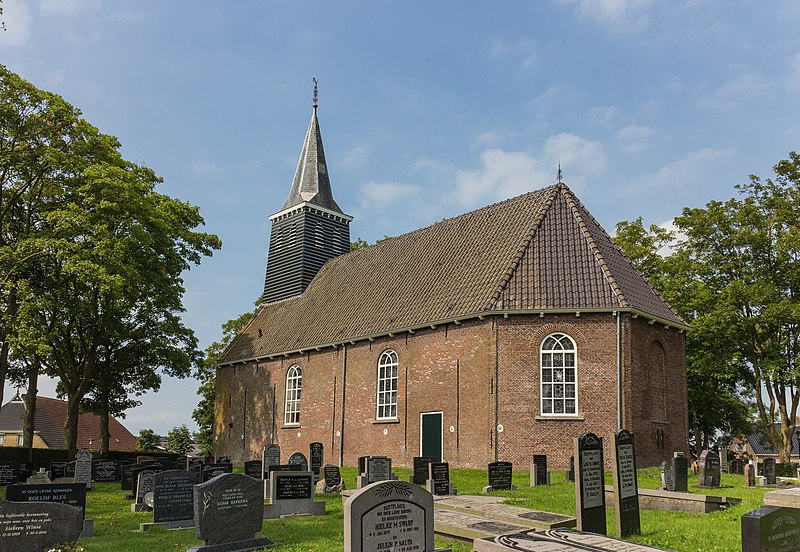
{"points": [[179, 440], [358, 244], [204, 413], [148, 441]]}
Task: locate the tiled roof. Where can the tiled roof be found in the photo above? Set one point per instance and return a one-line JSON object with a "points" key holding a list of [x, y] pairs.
{"points": [[539, 251], [50, 416], [761, 445]]}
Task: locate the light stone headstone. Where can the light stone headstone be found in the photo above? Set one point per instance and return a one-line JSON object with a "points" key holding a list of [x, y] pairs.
{"points": [[723, 459], [590, 499], [667, 481], [145, 484], [389, 515], [83, 467], [39, 478], [709, 469], [228, 512], [558, 540]]}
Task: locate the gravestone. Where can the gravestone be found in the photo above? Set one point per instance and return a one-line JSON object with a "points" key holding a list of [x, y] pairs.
{"points": [[298, 460], [667, 480], [105, 471], [389, 515], [37, 526], [439, 479], [38, 478], [26, 469], [558, 540], [292, 493], [771, 529], [331, 480], [626, 487], [316, 452], [213, 470], [229, 510], [254, 469], [173, 492], [590, 499], [271, 456], [273, 468], [222, 460], [680, 472], [83, 467], [569, 475], [749, 475], [769, 471], [73, 494], [144, 491], [723, 459], [69, 469], [420, 473], [500, 475], [738, 466], [57, 469], [709, 469], [362, 465], [379, 468], [539, 475]]}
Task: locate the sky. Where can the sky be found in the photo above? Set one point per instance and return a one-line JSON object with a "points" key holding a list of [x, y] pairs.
{"points": [[427, 110]]}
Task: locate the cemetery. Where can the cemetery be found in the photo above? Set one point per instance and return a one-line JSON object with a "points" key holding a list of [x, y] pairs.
{"points": [[170, 505]]}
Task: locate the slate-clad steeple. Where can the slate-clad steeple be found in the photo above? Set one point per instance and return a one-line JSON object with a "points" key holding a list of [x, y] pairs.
{"points": [[310, 228]]}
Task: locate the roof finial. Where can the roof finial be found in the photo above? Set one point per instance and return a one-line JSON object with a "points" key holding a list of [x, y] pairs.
{"points": [[559, 172], [316, 91]]}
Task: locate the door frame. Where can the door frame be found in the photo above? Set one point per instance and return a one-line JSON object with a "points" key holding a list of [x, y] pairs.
{"points": [[441, 432]]}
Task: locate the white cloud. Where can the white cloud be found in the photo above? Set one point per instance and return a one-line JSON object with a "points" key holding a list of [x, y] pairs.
{"points": [[523, 50], [356, 155], [17, 20], [505, 174], [794, 71], [602, 115], [731, 93], [380, 194], [635, 138], [621, 16], [72, 8], [204, 168], [695, 168], [491, 139]]}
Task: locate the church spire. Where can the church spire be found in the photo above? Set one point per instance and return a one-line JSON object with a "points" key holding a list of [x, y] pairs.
{"points": [[311, 182]]}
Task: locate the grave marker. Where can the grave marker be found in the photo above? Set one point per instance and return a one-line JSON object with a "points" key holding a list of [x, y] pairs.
{"points": [[73, 494], [292, 493], [39, 478], [145, 484], [271, 456], [316, 452], [298, 460], [379, 468], [539, 475], [331, 481], [57, 469], [749, 475], [709, 469], [213, 470], [769, 471], [680, 472], [626, 487], [439, 478], [173, 496], [83, 467], [229, 510], [723, 459], [37, 526], [771, 529], [590, 497], [389, 515], [500, 476], [420, 473], [105, 471], [667, 480], [570, 473], [254, 469]]}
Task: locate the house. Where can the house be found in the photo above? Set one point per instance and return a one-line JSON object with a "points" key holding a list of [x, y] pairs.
{"points": [[49, 427], [756, 446], [494, 335]]}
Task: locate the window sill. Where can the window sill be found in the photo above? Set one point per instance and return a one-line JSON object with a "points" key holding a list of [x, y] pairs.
{"points": [[561, 418], [386, 421], [290, 426]]}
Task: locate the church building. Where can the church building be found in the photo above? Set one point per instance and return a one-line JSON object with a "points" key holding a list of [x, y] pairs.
{"points": [[494, 335]]}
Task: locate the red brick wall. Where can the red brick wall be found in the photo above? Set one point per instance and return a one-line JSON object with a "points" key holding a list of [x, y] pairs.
{"points": [[452, 369]]}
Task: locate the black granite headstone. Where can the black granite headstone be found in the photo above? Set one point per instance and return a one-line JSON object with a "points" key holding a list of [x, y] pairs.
{"points": [[280, 467], [298, 460], [173, 493], [35, 526], [9, 472], [539, 470], [379, 468], [271, 456], [420, 475], [105, 471], [253, 469], [223, 460], [57, 469], [332, 475], [316, 452], [709, 469], [680, 473], [212, 470], [771, 529], [439, 478], [626, 487], [228, 509], [73, 494], [769, 471], [569, 475], [590, 499], [362, 465], [294, 486], [69, 470], [500, 475]]}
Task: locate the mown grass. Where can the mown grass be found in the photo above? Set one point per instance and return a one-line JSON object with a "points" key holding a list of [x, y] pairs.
{"points": [[116, 527]]}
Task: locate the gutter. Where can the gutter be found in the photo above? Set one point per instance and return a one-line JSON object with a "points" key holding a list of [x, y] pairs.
{"points": [[341, 421]]}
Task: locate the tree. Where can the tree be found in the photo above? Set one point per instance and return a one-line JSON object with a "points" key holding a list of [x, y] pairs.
{"points": [[111, 251], [714, 376], [148, 441], [358, 244], [204, 413], [179, 440]]}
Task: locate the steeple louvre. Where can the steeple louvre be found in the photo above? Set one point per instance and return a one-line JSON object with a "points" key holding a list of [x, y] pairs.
{"points": [[310, 228]]}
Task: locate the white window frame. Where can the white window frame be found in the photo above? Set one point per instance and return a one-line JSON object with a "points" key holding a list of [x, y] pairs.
{"points": [[558, 392], [386, 388], [291, 403]]}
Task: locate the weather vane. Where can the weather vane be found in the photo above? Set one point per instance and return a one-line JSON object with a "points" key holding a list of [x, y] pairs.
{"points": [[558, 175], [316, 91]]}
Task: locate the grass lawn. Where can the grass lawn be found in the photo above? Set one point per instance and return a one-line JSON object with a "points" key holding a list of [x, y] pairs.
{"points": [[116, 527]]}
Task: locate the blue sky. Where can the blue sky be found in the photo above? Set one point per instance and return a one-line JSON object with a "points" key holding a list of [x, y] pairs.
{"points": [[427, 110]]}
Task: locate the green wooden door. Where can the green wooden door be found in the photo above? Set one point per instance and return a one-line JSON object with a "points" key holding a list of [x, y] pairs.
{"points": [[431, 435]]}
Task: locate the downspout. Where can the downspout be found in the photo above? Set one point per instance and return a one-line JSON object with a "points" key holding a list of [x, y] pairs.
{"points": [[496, 389], [341, 421], [619, 371]]}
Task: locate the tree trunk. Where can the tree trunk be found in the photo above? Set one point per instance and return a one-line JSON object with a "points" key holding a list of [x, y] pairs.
{"points": [[71, 423], [29, 422], [11, 310], [104, 417]]}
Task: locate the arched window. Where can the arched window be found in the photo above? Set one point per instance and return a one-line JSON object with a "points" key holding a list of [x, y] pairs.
{"points": [[387, 386], [294, 383], [559, 383]]}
